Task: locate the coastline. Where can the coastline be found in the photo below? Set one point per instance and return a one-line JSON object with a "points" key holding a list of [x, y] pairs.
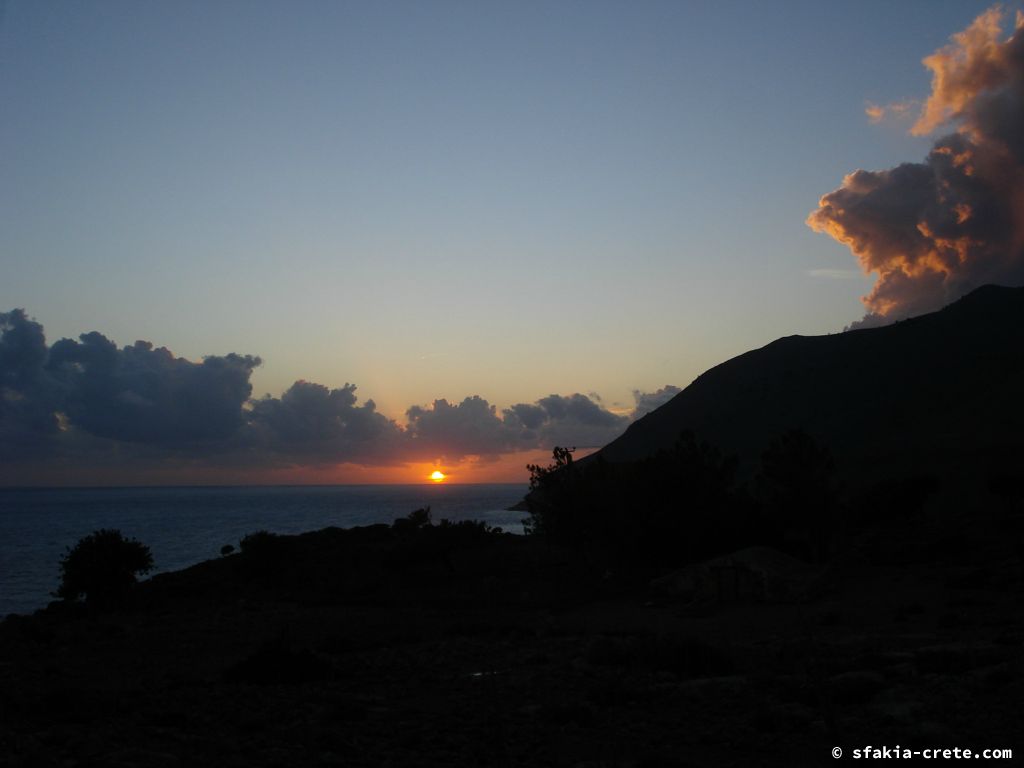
{"points": [[184, 526]]}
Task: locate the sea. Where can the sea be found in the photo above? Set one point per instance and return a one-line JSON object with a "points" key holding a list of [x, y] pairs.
{"points": [[184, 526]]}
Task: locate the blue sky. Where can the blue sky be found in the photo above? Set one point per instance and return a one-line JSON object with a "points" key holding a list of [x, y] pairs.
{"points": [[444, 199]]}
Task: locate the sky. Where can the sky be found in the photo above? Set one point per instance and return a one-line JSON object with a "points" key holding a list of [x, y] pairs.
{"points": [[508, 225]]}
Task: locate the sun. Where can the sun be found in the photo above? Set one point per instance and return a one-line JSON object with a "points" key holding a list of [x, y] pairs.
{"points": [[438, 476]]}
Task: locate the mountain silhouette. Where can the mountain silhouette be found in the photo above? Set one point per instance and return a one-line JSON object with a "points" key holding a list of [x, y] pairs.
{"points": [[938, 394]]}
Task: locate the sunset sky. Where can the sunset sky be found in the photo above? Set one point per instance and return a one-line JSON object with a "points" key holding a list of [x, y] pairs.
{"points": [[537, 213]]}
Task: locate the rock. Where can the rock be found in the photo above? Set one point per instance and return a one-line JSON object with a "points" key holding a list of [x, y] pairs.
{"points": [[753, 574]]}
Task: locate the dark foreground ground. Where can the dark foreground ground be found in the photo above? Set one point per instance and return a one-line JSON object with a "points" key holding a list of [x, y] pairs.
{"points": [[366, 648]]}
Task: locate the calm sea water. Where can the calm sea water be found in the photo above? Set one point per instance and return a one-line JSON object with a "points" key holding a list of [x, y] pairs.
{"points": [[183, 526]]}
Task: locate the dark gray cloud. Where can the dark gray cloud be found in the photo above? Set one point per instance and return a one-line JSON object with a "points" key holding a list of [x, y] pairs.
{"points": [[577, 420], [934, 231], [311, 422], [28, 397], [649, 401], [140, 406], [146, 395], [471, 427], [568, 420], [527, 417], [474, 426], [22, 351]]}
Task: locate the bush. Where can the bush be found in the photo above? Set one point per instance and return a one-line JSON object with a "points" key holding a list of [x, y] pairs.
{"points": [[467, 530], [414, 521], [102, 567], [258, 542]]}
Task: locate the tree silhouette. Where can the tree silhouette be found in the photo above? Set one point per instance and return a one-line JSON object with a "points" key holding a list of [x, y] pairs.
{"points": [[102, 567], [550, 495]]}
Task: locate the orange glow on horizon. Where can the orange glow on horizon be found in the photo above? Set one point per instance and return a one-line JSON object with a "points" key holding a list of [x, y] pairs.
{"points": [[507, 468]]}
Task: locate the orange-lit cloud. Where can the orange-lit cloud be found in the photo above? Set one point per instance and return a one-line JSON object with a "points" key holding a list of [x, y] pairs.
{"points": [[933, 231], [899, 110], [875, 112], [977, 60]]}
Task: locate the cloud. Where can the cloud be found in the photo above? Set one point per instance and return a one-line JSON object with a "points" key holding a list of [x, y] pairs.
{"points": [[28, 396], [575, 420], [475, 427], [649, 401], [897, 110], [146, 395], [974, 67], [935, 230], [88, 402], [471, 427], [312, 423], [875, 112], [22, 350]]}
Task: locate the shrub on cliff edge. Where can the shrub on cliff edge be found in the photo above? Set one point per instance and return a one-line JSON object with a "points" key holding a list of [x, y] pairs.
{"points": [[102, 567]]}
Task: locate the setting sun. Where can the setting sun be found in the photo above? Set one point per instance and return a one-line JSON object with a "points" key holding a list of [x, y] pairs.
{"points": [[437, 476]]}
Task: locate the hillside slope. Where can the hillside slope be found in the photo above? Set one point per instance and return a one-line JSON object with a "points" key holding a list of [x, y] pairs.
{"points": [[938, 393]]}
